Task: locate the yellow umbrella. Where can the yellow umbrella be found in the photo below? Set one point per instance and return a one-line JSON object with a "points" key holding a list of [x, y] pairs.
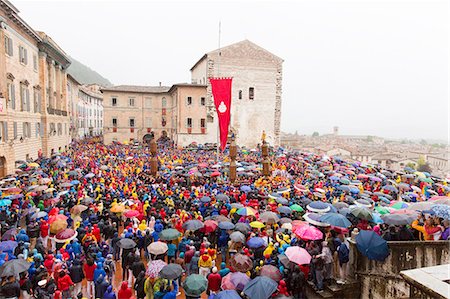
{"points": [[257, 224], [420, 174], [57, 226], [33, 164], [118, 208]]}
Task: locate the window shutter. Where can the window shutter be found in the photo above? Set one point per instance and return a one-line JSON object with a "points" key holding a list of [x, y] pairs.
{"points": [[5, 130], [28, 100], [13, 96], [25, 55], [11, 48]]}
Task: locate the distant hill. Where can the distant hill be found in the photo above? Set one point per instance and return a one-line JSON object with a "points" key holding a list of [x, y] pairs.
{"points": [[86, 75]]}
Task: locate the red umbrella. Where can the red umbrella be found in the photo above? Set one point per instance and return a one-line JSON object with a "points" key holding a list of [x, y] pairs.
{"points": [[209, 226], [271, 272], [66, 235], [131, 213], [53, 212], [13, 190], [215, 173]]}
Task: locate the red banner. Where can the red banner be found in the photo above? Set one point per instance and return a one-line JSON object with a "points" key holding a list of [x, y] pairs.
{"points": [[221, 90]]}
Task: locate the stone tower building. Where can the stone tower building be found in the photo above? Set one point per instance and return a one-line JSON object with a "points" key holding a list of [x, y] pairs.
{"points": [[256, 91]]}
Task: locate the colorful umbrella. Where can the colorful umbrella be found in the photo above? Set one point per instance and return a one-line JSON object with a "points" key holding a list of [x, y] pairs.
{"points": [[298, 255], [171, 271], [308, 232], [260, 287], [226, 225], [398, 205], [154, 268], [193, 225], [335, 219], [268, 217], [66, 235], [237, 237], [257, 224], [131, 213], [256, 242], [228, 294], [442, 211], [372, 245], [209, 226], [362, 213], [241, 263], [78, 209], [194, 285], [296, 208], [14, 267], [271, 272], [8, 245], [126, 243], [118, 209], [169, 234], [246, 211], [157, 248]]}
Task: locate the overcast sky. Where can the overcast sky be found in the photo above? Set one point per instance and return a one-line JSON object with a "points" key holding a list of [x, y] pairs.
{"points": [[370, 67]]}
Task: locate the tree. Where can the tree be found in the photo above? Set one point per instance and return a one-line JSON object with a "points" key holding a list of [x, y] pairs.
{"points": [[423, 142], [411, 165], [315, 134], [369, 138], [422, 165]]}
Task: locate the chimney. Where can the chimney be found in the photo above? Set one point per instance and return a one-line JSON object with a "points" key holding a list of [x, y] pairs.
{"points": [[160, 84]]}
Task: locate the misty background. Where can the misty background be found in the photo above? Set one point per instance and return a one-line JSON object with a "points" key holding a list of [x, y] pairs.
{"points": [[370, 67]]}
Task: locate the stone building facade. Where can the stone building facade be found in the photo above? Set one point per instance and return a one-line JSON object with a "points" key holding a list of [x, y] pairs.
{"points": [[33, 102], [89, 113], [256, 91], [136, 113]]}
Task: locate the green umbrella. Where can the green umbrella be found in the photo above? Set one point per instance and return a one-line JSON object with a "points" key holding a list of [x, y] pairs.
{"points": [[362, 213], [426, 180], [296, 207], [382, 210], [195, 285], [169, 234]]}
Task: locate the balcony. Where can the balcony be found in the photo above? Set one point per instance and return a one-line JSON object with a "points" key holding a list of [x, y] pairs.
{"points": [[53, 111]]}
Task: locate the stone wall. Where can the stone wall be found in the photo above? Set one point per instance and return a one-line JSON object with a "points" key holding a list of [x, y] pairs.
{"points": [[383, 279]]}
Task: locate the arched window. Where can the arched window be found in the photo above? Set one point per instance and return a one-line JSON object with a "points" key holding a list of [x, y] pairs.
{"points": [[164, 102]]}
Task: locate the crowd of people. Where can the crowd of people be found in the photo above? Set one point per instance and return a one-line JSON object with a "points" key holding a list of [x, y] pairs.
{"points": [[93, 222]]}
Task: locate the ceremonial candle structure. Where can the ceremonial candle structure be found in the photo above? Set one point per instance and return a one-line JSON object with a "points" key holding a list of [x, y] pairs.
{"points": [[154, 160], [265, 161]]}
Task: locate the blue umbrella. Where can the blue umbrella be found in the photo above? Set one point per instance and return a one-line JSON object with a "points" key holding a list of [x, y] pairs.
{"points": [[228, 294], [226, 225], [335, 219], [205, 199], [344, 188], [372, 245], [354, 190], [318, 207], [334, 178], [390, 188], [282, 200], [8, 245], [246, 188], [5, 202], [75, 182], [260, 287], [441, 211], [284, 210], [256, 242]]}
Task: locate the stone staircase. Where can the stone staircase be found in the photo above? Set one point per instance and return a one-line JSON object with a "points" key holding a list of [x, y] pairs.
{"points": [[350, 290]]}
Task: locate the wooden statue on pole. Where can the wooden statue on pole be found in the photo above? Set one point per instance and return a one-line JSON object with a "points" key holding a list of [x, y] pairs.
{"points": [[265, 155], [153, 159]]}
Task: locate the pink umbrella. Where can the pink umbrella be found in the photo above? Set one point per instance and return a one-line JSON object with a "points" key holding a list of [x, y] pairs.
{"points": [[131, 213], [308, 232], [226, 282], [154, 267], [239, 280], [271, 272], [215, 173], [298, 255]]}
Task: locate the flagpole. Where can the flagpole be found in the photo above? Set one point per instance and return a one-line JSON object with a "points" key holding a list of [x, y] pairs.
{"points": [[218, 75]]}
